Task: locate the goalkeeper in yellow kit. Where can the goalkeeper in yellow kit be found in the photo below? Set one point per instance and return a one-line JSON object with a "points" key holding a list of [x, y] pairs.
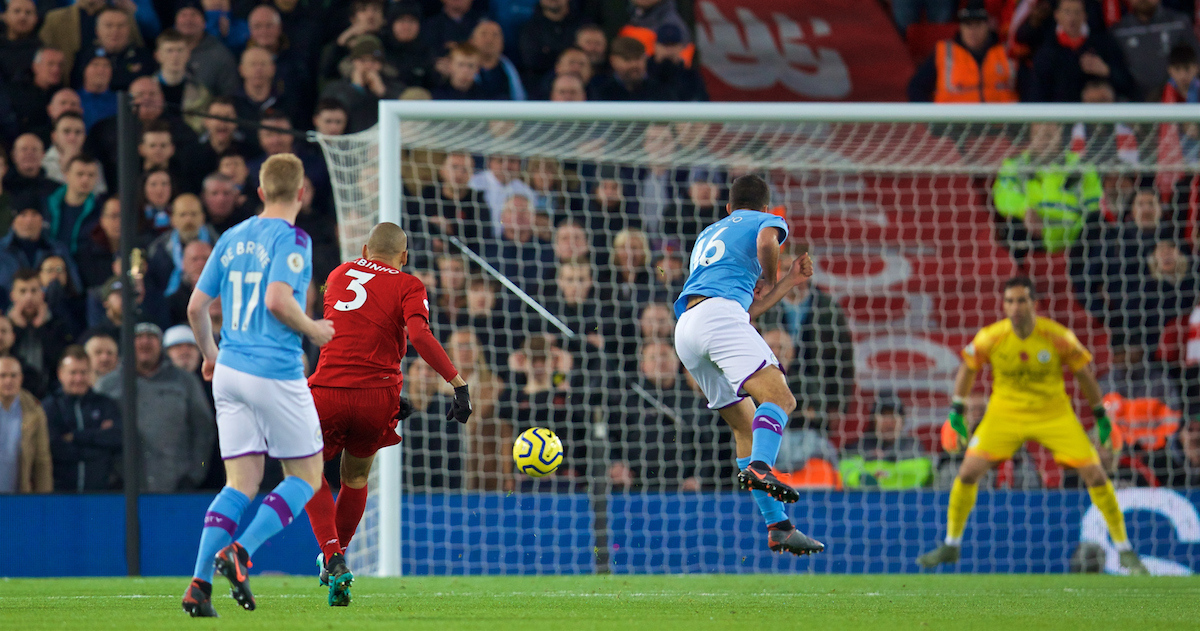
{"points": [[1029, 402]]}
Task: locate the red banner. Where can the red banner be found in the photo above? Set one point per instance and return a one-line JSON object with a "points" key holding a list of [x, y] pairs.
{"points": [[801, 50]]}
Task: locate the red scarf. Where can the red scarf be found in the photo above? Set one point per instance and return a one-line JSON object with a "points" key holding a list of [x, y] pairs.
{"points": [[1073, 43]]}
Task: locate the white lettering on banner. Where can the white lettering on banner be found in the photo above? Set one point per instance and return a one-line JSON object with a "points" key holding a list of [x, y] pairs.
{"points": [[1176, 508], [938, 378], [759, 59], [896, 271]]}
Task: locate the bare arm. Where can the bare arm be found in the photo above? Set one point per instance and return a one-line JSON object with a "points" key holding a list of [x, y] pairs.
{"points": [[282, 304], [1091, 388], [768, 257], [801, 268], [197, 312], [964, 381]]}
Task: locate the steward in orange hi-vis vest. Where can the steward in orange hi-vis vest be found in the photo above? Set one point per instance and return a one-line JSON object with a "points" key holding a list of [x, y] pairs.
{"points": [[961, 79]]}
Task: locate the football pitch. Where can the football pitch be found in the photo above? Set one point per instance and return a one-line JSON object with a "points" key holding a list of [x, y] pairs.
{"points": [[624, 602]]}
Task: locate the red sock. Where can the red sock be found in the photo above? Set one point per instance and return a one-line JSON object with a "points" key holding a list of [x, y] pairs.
{"points": [[321, 512], [350, 506]]}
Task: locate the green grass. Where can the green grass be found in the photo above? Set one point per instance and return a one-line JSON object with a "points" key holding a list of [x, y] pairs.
{"points": [[552, 603]]}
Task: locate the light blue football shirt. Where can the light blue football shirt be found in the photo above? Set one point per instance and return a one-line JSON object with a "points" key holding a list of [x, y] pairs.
{"points": [[725, 260], [247, 258]]}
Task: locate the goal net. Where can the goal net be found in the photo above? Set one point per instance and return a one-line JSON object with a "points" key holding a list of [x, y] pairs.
{"points": [[553, 241]]}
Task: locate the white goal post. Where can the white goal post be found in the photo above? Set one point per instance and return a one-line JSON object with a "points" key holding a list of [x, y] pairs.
{"points": [[875, 140]]}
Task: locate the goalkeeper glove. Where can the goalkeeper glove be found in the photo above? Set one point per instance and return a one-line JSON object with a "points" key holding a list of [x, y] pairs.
{"points": [[406, 409], [460, 409], [1103, 425], [957, 408]]}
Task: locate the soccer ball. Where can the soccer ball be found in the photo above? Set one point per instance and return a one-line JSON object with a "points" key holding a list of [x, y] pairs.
{"points": [[537, 452]]}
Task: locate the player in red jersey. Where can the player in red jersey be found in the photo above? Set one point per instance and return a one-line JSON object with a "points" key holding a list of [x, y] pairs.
{"points": [[356, 386]]}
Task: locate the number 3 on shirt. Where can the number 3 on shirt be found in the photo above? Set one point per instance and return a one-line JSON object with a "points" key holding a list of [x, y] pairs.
{"points": [[357, 280]]}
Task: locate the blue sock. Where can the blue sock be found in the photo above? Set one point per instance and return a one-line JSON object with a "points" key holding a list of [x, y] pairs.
{"points": [[771, 508], [277, 511], [220, 522], [769, 421]]}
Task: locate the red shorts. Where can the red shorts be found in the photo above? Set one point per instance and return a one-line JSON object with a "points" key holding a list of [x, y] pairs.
{"points": [[359, 420]]}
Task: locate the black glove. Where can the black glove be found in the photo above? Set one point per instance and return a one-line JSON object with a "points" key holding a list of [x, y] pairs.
{"points": [[406, 409], [460, 409]]}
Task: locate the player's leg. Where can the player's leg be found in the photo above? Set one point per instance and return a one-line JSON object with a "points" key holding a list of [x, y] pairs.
{"points": [[775, 404], [288, 418], [352, 499], [962, 502], [782, 536], [1069, 443], [242, 446], [995, 440], [321, 508]]}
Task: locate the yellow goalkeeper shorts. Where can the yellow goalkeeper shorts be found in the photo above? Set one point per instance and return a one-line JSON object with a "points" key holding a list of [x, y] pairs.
{"points": [[997, 438]]}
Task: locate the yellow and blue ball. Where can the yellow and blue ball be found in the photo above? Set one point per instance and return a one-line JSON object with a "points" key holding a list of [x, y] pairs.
{"points": [[537, 452]]}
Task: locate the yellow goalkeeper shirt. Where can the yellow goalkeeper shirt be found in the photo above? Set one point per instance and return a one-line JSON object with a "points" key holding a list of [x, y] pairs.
{"points": [[1027, 374]]}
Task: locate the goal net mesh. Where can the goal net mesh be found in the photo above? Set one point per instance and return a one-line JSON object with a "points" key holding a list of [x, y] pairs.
{"points": [[913, 230]]}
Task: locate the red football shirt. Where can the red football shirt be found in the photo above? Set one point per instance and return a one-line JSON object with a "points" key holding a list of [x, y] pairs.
{"points": [[368, 303]]}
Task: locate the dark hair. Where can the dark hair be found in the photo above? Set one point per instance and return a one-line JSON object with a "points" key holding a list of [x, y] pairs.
{"points": [[83, 157], [274, 114], [169, 36], [220, 100], [1021, 281], [327, 104], [141, 191], [65, 115], [156, 127], [627, 48], [1182, 55], [74, 351], [26, 274], [749, 192]]}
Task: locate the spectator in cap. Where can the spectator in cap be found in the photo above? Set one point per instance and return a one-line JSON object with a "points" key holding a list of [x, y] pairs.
{"points": [[180, 344], [366, 18], [672, 64], [405, 49], [544, 37], [209, 61], [972, 67], [221, 23], [366, 83], [84, 428], [175, 422]]}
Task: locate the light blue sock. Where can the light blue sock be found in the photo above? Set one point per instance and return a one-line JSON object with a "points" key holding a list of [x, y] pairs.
{"points": [[220, 522], [769, 421], [771, 508], [277, 511]]}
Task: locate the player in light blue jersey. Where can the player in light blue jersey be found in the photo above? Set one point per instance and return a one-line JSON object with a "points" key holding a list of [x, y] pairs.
{"points": [[260, 269], [718, 344]]}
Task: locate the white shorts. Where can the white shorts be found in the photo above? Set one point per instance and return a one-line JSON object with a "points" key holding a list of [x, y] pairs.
{"points": [[717, 344], [265, 416]]}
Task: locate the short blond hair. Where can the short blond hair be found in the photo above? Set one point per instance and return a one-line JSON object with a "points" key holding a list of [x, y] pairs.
{"points": [[281, 177]]}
